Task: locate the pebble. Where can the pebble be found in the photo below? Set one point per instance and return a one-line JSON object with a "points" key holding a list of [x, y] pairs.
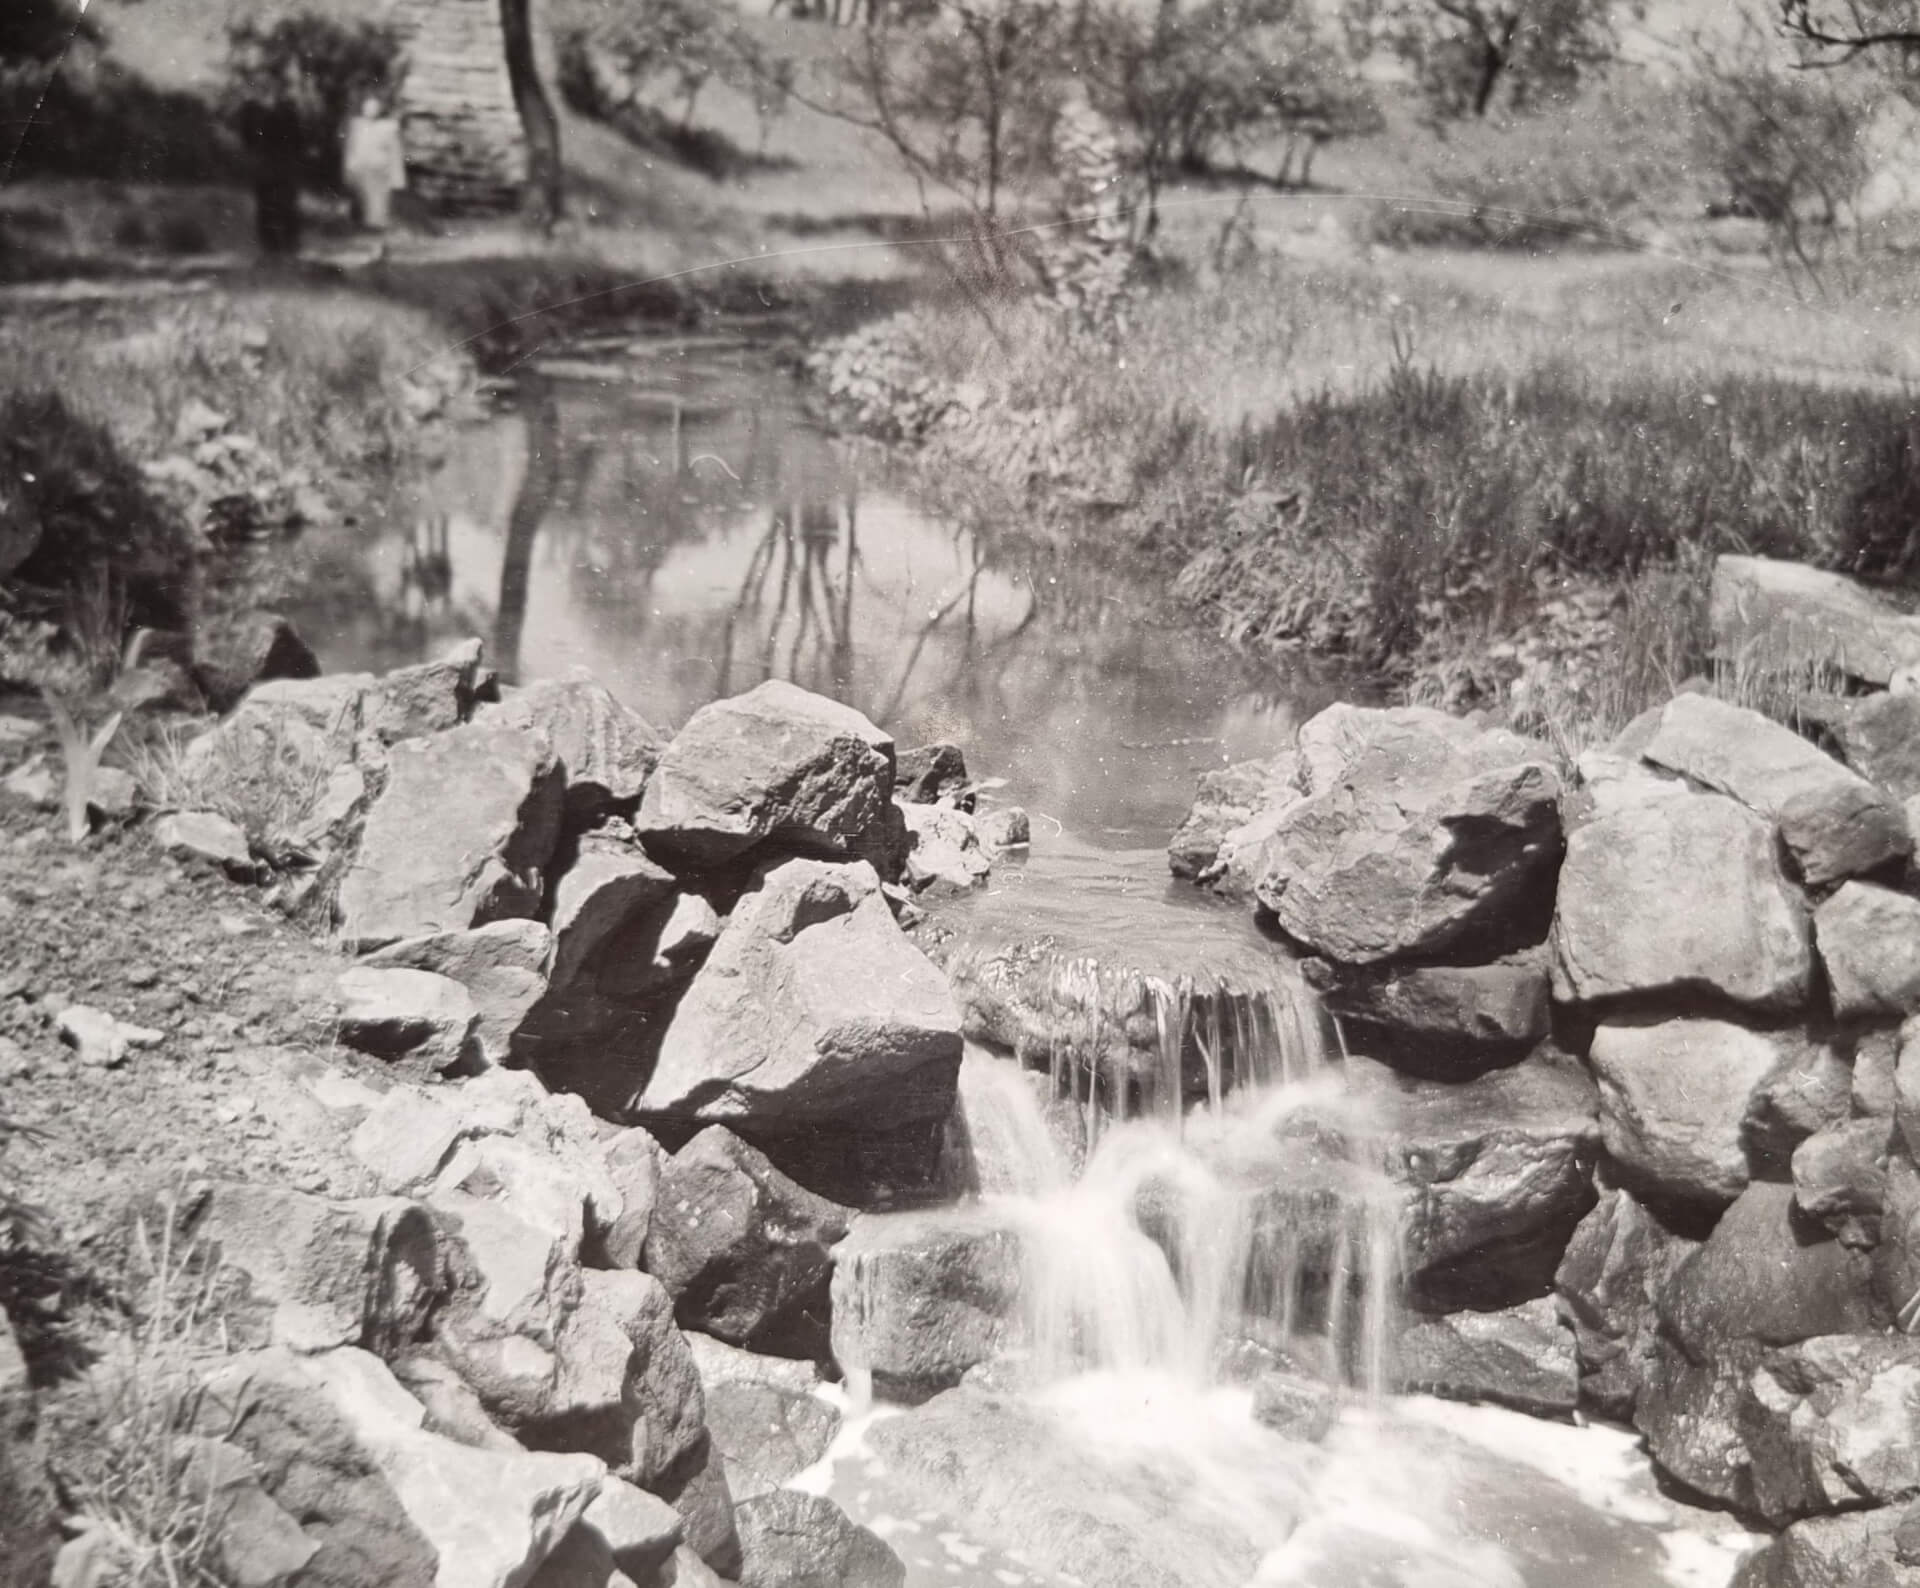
{"points": [[142, 975]]}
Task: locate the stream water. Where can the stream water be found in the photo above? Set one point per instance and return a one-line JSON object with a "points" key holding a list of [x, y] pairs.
{"points": [[668, 518]]}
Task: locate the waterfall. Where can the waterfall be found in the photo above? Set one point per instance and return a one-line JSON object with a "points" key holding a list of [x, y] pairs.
{"points": [[1232, 1202]]}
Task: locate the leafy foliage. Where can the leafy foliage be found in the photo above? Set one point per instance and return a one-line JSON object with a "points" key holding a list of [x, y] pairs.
{"points": [[1786, 144], [41, 32], [1461, 52], [107, 556], [1193, 85], [319, 66]]}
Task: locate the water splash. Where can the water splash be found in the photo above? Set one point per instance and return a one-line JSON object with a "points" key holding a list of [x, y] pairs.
{"points": [[1190, 1242]]}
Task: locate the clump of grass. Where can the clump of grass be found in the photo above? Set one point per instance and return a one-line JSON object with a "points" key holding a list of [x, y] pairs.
{"points": [[100, 537], [266, 774], [137, 1470]]}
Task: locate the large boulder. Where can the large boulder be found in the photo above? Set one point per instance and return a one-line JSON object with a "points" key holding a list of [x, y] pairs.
{"points": [[745, 1253], [1521, 1357], [944, 852], [767, 1433], [1784, 617], [608, 886], [340, 1446], [1863, 1549], [1496, 1171], [933, 774], [792, 1540], [606, 751], [251, 648], [1618, 1261], [1879, 737], [1833, 1424], [775, 764], [1870, 944], [1769, 1276], [626, 1388], [1840, 1178], [812, 1008], [319, 1273], [1834, 822], [1224, 801], [1676, 1097], [1418, 836], [502, 966], [460, 836], [1680, 896], [920, 1298]]}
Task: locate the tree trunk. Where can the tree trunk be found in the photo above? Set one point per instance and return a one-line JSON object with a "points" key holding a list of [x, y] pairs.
{"points": [[1493, 61], [537, 120]]}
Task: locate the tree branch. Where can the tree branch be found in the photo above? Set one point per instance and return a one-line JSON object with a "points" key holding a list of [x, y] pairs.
{"points": [[1798, 21]]}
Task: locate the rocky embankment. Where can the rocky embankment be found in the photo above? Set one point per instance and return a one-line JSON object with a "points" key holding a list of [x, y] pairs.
{"points": [[640, 1035], [1650, 1037], [634, 1052]]}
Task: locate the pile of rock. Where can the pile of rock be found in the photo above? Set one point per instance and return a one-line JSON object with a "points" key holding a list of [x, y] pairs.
{"points": [[489, 1369], [1644, 1043], [477, 1374]]}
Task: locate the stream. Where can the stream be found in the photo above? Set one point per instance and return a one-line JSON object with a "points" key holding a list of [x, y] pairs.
{"points": [[663, 513]]}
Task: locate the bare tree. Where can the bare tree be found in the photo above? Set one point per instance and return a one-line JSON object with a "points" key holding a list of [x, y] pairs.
{"points": [[1835, 31], [545, 194]]}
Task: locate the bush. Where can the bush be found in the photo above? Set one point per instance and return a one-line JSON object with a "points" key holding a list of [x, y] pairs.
{"points": [[1786, 145], [109, 557], [1580, 171]]}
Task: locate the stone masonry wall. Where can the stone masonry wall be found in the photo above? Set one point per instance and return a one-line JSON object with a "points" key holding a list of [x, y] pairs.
{"points": [[464, 148]]}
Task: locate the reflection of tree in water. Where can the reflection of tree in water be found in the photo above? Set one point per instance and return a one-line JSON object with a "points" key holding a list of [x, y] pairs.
{"points": [[530, 506]]}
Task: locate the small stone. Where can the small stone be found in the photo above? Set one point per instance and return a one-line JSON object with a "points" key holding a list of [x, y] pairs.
{"points": [[1006, 828], [406, 1013], [205, 837], [98, 1038]]}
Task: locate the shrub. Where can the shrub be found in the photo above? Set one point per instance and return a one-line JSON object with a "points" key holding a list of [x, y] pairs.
{"points": [[108, 557]]}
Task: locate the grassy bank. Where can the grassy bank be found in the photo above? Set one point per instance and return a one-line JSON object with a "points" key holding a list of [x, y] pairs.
{"points": [[1453, 472]]}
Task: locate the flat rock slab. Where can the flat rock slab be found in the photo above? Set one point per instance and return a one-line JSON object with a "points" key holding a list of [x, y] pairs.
{"points": [[461, 835], [502, 966], [1680, 896], [777, 763], [1521, 1357], [793, 1540], [1835, 823], [1785, 617]]}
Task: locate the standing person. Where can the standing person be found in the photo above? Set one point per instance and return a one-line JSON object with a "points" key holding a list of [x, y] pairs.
{"points": [[275, 138], [374, 166]]}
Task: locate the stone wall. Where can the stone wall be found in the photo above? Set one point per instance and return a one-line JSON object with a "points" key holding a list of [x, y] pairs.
{"points": [[464, 147]]}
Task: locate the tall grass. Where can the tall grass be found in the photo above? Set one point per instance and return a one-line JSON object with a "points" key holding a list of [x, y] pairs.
{"points": [[1319, 460]]}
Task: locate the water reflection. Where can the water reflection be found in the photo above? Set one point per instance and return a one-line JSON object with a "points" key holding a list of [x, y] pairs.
{"points": [[681, 530]]}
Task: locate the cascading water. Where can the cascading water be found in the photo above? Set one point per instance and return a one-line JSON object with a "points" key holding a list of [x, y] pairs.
{"points": [[1210, 1223]]}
